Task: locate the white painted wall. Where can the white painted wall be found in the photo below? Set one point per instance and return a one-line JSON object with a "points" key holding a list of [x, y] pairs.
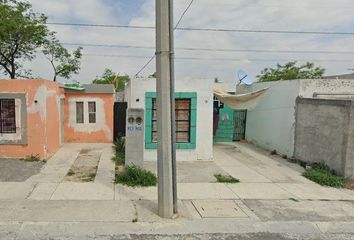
{"points": [[271, 124], [135, 96]]}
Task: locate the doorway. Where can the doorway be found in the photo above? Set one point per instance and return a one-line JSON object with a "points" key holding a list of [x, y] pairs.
{"points": [[240, 117], [120, 111]]}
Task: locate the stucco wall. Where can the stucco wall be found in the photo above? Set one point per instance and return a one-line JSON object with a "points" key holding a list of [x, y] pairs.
{"points": [[135, 96], [324, 132], [41, 115], [327, 88], [271, 124], [101, 131]]}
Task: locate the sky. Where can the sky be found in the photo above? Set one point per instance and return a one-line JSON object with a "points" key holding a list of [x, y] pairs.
{"points": [[300, 15]]}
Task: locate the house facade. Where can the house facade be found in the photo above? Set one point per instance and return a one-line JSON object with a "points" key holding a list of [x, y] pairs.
{"points": [[194, 122], [38, 116]]}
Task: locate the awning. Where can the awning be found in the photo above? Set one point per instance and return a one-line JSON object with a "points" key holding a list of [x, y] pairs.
{"points": [[240, 101]]}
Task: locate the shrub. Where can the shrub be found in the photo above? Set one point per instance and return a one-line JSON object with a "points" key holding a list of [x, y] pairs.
{"points": [[323, 175], [226, 179], [119, 149], [136, 176]]}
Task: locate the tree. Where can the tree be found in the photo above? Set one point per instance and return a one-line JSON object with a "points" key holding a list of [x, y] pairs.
{"points": [[21, 32], [290, 71], [64, 63], [109, 77]]}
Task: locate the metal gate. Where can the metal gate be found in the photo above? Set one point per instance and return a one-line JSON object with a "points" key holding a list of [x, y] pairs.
{"points": [[240, 117], [120, 111]]}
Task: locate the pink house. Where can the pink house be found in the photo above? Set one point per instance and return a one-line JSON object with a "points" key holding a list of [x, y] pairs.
{"points": [[38, 116]]}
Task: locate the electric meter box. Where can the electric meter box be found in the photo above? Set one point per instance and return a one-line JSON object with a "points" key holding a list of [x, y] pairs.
{"points": [[134, 139]]}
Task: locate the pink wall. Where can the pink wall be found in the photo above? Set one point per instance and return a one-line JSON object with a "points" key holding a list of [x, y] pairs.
{"points": [[42, 117], [101, 131]]}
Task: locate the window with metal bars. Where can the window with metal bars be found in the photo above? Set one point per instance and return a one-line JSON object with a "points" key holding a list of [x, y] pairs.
{"points": [[7, 116], [183, 120]]}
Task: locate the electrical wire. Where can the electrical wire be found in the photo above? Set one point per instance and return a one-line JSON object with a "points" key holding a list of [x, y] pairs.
{"points": [[178, 22], [213, 49], [225, 59], [204, 29]]}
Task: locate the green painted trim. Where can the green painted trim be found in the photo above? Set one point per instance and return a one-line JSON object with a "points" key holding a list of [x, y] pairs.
{"points": [[148, 118]]}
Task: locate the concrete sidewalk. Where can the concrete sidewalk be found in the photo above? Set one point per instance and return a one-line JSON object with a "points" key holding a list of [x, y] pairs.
{"points": [[272, 198]]}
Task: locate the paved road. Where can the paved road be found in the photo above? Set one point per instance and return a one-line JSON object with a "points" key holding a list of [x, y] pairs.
{"points": [[220, 236]]}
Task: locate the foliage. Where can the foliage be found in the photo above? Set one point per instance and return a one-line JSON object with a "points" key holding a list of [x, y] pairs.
{"points": [[32, 158], [226, 179], [119, 149], [109, 77], [323, 175], [21, 32], [135, 176], [63, 62], [290, 71]]}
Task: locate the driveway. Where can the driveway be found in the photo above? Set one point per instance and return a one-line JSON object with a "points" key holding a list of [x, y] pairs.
{"points": [[15, 170]]}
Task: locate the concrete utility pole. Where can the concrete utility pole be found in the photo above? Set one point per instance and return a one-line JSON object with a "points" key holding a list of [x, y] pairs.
{"points": [[167, 197]]}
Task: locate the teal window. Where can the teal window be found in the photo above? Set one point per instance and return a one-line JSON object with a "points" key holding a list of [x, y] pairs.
{"points": [[186, 113]]}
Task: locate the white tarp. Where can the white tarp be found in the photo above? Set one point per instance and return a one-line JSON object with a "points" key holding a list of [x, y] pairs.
{"points": [[240, 101]]}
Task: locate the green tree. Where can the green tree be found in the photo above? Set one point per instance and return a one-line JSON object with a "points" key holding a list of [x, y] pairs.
{"points": [[21, 32], [109, 77], [291, 71], [63, 62]]}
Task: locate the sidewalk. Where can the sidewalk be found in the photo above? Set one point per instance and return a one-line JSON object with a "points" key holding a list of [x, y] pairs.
{"points": [[271, 198]]}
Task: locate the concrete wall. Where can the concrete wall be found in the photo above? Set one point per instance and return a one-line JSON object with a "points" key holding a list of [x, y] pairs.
{"points": [[271, 124], [101, 131], [325, 132], [135, 96], [327, 88], [38, 118]]}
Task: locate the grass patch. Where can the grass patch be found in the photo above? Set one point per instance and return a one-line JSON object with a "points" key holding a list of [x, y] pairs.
{"points": [[323, 175], [226, 179], [119, 149], [135, 176], [32, 158]]}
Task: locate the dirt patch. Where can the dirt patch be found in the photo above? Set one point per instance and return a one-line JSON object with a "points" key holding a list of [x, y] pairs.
{"points": [[16, 170], [84, 168]]}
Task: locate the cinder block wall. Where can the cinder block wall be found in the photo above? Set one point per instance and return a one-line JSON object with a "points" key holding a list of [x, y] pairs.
{"points": [[324, 131]]}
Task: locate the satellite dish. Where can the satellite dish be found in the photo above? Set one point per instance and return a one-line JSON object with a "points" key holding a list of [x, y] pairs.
{"points": [[244, 78]]}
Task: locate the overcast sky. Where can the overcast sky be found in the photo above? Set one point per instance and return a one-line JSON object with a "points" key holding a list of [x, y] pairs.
{"points": [[299, 15]]}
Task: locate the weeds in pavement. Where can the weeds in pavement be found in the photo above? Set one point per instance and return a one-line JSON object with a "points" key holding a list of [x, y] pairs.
{"points": [[32, 158], [135, 176], [119, 149], [226, 179], [323, 175]]}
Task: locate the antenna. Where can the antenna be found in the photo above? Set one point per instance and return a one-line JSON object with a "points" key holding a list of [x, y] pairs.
{"points": [[244, 78]]}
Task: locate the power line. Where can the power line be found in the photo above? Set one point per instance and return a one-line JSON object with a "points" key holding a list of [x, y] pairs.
{"points": [[184, 13], [213, 49], [225, 59], [204, 29], [99, 25], [264, 31], [178, 22]]}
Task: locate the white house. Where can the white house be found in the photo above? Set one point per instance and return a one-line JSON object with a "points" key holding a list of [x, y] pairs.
{"points": [[194, 111]]}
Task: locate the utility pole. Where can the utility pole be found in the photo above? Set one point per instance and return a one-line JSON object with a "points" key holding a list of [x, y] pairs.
{"points": [[166, 167]]}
